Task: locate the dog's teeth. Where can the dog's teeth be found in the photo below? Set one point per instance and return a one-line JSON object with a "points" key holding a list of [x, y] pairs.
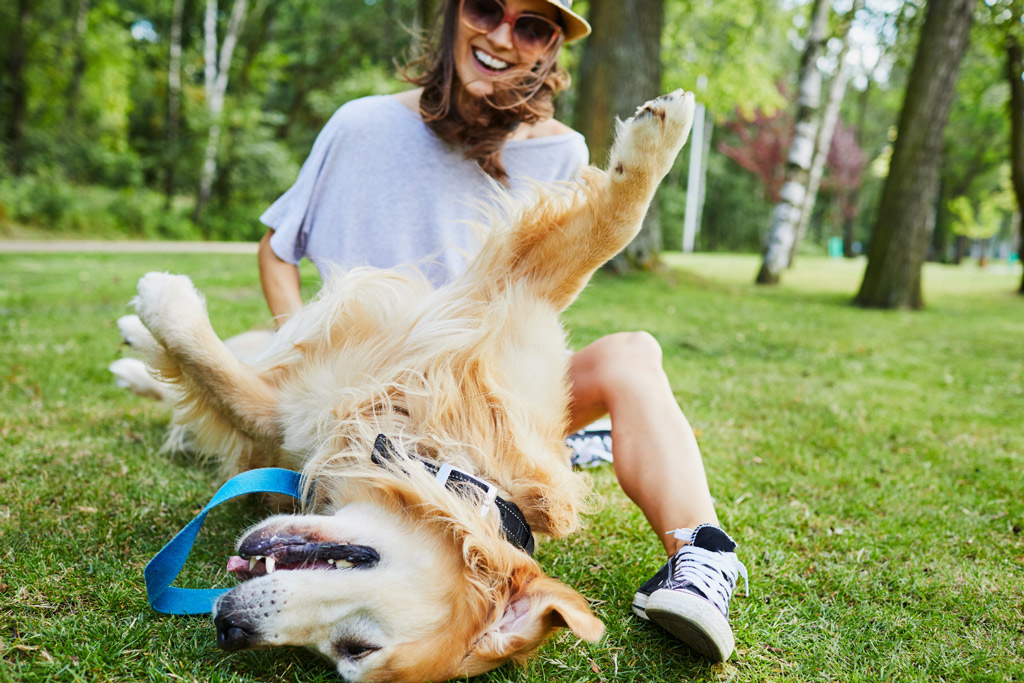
{"points": [[330, 561], [341, 564], [270, 565], [253, 561]]}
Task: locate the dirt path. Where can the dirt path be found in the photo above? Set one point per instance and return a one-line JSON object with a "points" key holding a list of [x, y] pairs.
{"points": [[124, 246]]}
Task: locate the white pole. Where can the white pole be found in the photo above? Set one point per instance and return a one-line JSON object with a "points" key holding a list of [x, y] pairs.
{"points": [[691, 220]]}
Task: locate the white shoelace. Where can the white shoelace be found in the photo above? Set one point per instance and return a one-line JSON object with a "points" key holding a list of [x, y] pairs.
{"points": [[705, 570], [590, 450]]}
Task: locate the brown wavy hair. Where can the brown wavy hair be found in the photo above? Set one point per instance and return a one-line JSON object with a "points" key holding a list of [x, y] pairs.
{"points": [[480, 126]]}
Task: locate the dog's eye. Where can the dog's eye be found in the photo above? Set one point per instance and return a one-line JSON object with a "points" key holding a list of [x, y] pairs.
{"points": [[355, 650]]}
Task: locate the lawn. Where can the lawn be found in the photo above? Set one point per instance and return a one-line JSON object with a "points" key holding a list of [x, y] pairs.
{"points": [[871, 465]]}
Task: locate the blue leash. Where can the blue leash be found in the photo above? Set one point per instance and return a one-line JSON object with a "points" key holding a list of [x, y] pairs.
{"points": [[168, 563]]}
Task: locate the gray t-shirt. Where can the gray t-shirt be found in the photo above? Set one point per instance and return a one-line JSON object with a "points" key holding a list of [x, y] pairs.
{"points": [[380, 189]]}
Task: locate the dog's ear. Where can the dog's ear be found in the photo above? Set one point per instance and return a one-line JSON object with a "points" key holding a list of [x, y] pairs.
{"points": [[530, 614]]}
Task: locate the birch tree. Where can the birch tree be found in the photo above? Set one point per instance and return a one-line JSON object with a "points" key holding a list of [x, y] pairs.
{"points": [[216, 84], [827, 130], [782, 228], [906, 213]]}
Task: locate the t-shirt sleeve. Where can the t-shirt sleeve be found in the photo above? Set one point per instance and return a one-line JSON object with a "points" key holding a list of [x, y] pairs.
{"points": [[574, 157], [582, 152], [288, 215]]}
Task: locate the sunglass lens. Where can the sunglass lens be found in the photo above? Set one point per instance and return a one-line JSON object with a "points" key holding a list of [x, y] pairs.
{"points": [[533, 33], [484, 15]]}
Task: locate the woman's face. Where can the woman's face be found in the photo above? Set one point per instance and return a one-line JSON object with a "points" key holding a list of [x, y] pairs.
{"points": [[482, 58]]}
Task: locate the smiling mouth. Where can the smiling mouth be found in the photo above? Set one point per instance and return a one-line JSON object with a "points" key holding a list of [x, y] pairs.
{"points": [[490, 62], [262, 556]]}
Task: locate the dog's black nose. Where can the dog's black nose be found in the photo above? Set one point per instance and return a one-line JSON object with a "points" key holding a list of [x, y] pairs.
{"points": [[230, 635]]}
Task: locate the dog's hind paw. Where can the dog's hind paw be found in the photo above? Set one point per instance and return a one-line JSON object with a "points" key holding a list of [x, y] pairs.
{"points": [[648, 142], [131, 374], [168, 305], [135, 334]]}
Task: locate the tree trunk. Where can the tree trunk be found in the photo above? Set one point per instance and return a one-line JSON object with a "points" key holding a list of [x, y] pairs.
{"points": [[960, 245], [829, 122], [906, 214], [15, 92], [621, 69], [426, 15], [173, 103], [78, 69], [1015, 72], [216, 85], [782, 229]]}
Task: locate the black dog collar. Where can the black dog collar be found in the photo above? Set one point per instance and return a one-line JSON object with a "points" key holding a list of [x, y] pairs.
{"points": [[513, 523]]}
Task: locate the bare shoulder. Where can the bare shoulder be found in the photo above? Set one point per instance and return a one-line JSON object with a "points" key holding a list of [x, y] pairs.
{"points": [[549, 128], [541, 129]]}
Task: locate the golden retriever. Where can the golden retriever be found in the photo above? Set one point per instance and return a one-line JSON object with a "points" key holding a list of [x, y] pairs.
{"points": [[376, 385]]}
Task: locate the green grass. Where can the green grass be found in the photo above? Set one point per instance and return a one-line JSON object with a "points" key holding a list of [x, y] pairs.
{"points": [[870, 463]]}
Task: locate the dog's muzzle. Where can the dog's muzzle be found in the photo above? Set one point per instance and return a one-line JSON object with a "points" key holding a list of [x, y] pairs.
{"points": [[233, 633]]}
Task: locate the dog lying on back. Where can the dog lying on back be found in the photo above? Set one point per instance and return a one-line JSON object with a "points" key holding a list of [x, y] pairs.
{"points": [[429, 427]]}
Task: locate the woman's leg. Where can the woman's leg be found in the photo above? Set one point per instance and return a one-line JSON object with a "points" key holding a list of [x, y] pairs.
{"points": [[657, 461]]}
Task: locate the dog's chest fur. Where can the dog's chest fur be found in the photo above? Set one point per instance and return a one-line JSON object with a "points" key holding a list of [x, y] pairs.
{"points": [[479, 385]]}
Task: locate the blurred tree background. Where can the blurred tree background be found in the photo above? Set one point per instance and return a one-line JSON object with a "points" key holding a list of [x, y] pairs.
{"points": [[107, 113]]}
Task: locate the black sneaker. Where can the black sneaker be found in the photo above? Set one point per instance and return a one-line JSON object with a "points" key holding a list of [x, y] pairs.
{"points": [[689, 596]]}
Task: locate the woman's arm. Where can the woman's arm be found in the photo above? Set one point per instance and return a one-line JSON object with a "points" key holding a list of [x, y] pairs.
{"points": [[280, 281]]}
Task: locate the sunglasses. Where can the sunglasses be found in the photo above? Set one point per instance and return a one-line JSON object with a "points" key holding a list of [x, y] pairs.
{"points": [[530, 32]]}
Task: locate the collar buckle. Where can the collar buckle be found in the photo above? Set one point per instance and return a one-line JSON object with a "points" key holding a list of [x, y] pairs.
{"points": [[445, 473]]}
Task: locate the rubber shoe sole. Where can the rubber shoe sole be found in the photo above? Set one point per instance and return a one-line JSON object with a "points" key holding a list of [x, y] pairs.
{"points": [[640, 605], [693, 620]]}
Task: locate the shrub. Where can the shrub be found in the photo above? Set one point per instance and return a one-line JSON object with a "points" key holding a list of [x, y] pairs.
{"points": [[51, 203]]}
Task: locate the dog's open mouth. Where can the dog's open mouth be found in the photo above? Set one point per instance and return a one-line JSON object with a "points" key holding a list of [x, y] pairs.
{"points": [[260, 556]]}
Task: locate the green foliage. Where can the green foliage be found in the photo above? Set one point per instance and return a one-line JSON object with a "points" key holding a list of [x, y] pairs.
{"points": [[59, 207], [993, 211], [867, 462], [737, 45], [977, 137], [737, 210]]}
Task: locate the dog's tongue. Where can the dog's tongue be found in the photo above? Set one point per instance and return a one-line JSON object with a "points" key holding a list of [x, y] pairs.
{"points": [[237, 564]]}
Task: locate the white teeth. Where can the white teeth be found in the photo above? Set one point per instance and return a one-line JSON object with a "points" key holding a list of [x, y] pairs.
{"points": [[341, 564], [270, 565], [254, 560], [490, 61], [330, 561]]}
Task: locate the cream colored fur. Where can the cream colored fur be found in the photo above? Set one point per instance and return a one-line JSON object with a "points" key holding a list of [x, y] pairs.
{"points": [[472, 374]]}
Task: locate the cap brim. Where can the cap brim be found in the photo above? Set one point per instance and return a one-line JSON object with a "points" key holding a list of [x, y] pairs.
{"points": [[576, 27]]}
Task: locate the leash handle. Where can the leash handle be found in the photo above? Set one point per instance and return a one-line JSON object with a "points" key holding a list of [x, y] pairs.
{"points": [[165, 566]]}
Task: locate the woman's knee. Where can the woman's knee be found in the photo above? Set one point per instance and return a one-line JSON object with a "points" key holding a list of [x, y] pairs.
{"points": [[626, 356], [639, 347]]}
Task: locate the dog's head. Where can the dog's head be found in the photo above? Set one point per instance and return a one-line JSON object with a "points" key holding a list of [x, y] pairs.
{"points": [[392, 596]]}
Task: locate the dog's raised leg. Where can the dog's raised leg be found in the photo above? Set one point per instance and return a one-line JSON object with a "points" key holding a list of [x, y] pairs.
{"points": [[558, 243], [228, 407]]}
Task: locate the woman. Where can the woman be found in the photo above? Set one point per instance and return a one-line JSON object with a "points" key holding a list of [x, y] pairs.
{"points": [[391, 180]]}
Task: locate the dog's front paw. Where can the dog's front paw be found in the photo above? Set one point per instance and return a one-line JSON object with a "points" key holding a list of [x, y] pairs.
{"points": [[648, 143], [168, 305]]}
